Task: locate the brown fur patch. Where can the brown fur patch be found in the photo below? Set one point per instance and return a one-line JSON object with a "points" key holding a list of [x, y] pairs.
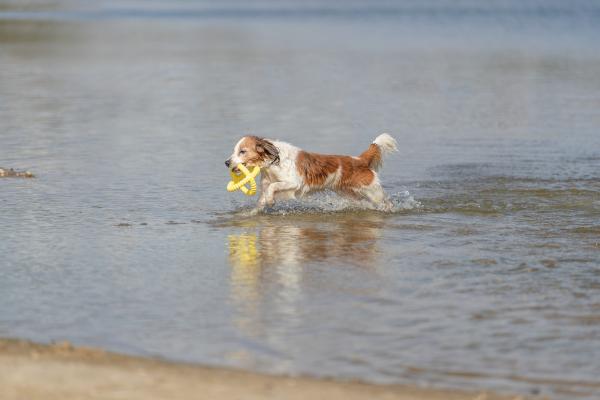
{"points": [[372, 156], [315, 169]]}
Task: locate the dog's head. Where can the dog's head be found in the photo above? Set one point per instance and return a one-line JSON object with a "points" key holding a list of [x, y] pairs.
{"points": [[253, 151]]}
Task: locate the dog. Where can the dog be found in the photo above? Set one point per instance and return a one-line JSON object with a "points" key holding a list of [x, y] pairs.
{"points": [[289, 172]]}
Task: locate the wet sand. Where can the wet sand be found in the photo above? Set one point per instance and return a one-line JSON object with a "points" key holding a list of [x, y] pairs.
{"points": [[62, 371]]}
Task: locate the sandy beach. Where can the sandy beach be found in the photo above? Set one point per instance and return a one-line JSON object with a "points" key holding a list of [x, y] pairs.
{"points": [[62, 371]]}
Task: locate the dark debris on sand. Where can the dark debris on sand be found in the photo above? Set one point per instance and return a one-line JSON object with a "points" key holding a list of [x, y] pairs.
{"points": [[6, 173]]}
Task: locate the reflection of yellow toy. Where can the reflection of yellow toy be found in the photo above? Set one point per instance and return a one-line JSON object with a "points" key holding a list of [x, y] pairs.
{"points": [[243, 253], [239, 181]]}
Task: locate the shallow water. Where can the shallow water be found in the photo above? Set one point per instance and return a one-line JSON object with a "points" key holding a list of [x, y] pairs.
{"points": [[486, 275]]}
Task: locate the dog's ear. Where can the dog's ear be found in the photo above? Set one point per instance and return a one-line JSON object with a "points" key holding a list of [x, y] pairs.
{"points": [[263, 146]]}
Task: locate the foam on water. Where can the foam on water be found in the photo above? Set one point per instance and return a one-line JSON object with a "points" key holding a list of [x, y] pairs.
{"points": [[328, 202]]}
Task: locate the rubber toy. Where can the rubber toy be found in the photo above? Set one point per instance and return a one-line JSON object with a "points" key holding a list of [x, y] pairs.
{"points": [[239, 181]]}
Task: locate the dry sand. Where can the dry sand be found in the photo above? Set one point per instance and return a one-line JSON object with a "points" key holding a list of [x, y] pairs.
{"points": [[60, 371]]}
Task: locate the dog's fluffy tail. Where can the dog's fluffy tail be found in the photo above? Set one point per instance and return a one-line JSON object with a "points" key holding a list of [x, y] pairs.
{"points": [[382, 145]]}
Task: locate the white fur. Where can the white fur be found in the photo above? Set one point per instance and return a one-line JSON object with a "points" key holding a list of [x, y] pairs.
{"points": [[285, 172], [235, 160], [386, 143]]}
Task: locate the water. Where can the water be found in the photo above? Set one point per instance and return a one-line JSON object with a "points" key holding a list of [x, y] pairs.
{"points": [[487, 275]]}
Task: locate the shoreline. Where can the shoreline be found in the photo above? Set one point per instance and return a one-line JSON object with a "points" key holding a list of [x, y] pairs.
{"points": [[61, 371]]}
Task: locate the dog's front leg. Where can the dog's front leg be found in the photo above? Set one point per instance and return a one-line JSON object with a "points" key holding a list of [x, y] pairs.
{"points": [[262, 202], [277, 187]]}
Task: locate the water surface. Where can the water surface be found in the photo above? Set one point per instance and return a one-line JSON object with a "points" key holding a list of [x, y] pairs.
{"points": [[486, 276]]}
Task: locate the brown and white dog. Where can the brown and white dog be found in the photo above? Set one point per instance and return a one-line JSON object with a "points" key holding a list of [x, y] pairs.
{"points": [[289, 172]]}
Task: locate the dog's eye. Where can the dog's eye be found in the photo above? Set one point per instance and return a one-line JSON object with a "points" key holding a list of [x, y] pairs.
{"points": [[242, 151]]}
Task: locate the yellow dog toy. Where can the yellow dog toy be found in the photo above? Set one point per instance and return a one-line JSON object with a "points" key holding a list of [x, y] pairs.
{"points": [[239, 181]]}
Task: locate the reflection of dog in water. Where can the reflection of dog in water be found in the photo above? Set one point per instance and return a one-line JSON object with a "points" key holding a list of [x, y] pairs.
{"points": [[293, 242], [269, 261]]}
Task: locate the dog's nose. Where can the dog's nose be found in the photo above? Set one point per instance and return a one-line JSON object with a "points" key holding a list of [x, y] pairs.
{"points": [[227, 163]]}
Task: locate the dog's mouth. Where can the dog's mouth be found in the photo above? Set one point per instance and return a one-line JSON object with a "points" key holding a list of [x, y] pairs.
{"points": [[236, 170]]}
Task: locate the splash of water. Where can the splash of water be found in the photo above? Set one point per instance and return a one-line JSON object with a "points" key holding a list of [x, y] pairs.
{"points": [[328, 202]]}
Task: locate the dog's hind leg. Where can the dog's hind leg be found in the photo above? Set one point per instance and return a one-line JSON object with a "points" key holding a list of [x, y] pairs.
{"points": [[377, 196]]}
